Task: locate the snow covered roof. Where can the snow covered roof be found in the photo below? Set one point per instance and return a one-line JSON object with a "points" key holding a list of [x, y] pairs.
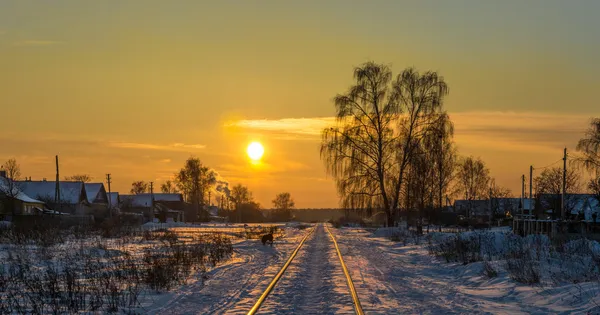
{"points": [[145, 200], [96, 193], [114, 199], [70, 192], [17, 192]]}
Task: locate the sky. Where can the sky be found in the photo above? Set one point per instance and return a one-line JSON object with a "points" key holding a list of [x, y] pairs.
{"points": [[134, 88]]}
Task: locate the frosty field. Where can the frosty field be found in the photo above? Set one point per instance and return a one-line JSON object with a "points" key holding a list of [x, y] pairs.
{"points": [[224, 269]]}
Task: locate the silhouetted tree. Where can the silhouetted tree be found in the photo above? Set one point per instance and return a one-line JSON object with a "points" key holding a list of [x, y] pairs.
{"points": [[168, 187], [139, 187], [283, 204], [85, 178], [473, 180], [499, 202], [10, 188], [589, 158], [240, 194], [379, 124], [195, 180], [548, 188]]}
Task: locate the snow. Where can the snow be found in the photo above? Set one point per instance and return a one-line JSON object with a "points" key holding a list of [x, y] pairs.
{"points": [[389, 276], [393, 278], [233, 287]]}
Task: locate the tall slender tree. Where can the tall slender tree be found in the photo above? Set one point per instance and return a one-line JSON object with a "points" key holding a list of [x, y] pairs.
{"points": [[473, 180], [195, 180], [380, 122], [589, 157]]}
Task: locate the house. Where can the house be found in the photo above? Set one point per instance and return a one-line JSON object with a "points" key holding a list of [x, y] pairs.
{"points": [[73, 197], [21, 203], [512, 206], [115, 200], [584, 208], [166, 206], [472, 208], [96, 194]]}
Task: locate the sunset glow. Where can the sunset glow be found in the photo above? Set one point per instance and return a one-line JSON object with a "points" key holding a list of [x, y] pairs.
{"points": [[255, 151]]}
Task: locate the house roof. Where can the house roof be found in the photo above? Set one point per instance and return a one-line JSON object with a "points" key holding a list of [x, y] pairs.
{"points": [[17, 192], [145, 200], [70, 192], [96, 193], [114, 199]]}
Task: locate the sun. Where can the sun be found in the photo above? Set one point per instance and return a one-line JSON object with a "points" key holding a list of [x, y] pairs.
{"points": [[255, 151]]}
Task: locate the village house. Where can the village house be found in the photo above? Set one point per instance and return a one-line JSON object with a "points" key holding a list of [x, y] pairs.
{"points": [[577, 206], [73, 197], [166, 207], [114, 201], [14, 201]]}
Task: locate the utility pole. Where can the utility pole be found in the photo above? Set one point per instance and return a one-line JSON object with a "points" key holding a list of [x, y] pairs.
{"points": [[109, 198], [209, 198], [522, 195], [530, 189], [152, 201], [57, 189], [564, 186]]}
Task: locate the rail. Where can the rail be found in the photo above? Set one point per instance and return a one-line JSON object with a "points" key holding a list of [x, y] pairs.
{"points": [[262, 298], [355, 300]]}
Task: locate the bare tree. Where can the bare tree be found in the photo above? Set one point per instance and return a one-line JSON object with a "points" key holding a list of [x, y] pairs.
{"points": [[195, 180], [139, 187], [499, 199], [283, 204], [379, 124], [589, 158], [594, 187], [243, 201], [168, 187], [240, 194], [10, 187], [548, 188], [473, 180], [589, 147], [85, 178]]}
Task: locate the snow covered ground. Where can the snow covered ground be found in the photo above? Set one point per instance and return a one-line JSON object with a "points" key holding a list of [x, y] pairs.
{"points": [[391, 278], [233, 287]]}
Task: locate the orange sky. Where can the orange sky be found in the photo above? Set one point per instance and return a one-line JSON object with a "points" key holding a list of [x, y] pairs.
{"points": [[135, 88]]}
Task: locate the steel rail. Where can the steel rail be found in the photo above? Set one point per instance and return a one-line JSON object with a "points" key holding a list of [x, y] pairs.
{"points": [[262, 298], [355, 300]]}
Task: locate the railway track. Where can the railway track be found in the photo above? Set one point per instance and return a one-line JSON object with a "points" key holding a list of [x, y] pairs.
{"points": [[272, 286]]}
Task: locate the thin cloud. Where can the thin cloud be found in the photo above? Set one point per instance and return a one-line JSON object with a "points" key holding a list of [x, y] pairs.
{"points": [[526, 131], [298, 126], [36, 43], [158, 147]]}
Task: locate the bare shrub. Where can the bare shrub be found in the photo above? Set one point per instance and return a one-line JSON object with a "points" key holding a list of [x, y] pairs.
{"points": [[523, 270], [489, 270]]}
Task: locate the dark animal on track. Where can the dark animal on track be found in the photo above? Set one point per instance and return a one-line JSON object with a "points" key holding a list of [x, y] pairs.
{"points": [[267, 238]]}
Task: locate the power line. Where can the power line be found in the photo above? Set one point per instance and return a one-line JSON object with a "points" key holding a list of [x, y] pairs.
{"points": [[549, 165]]}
